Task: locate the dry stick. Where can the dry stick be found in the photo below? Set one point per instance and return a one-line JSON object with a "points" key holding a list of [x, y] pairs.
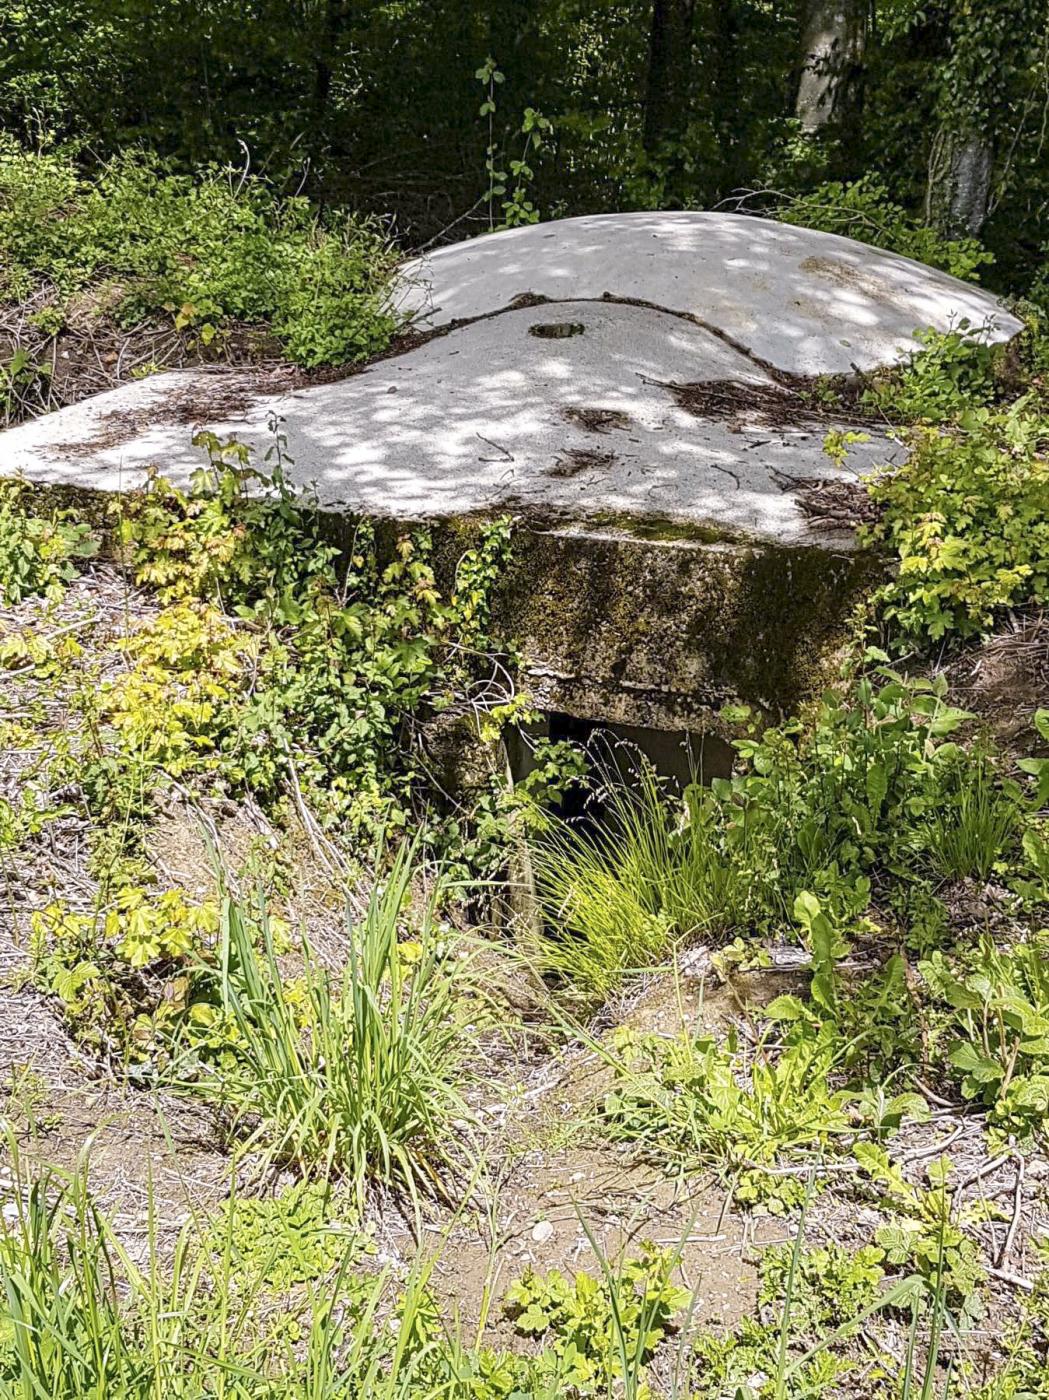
{"points": [[1018, 1195], [934, 1098], [1016, 1280], [921, 1152], [985, 1170], [506, 457]]}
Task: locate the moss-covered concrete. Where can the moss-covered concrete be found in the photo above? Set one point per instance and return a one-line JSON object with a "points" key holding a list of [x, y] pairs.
{"points": [[646, 622], [662, 627]]}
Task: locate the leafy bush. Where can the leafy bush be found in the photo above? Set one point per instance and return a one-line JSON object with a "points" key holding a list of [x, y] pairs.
{"points": [[124, 974], [924, 1233], [597, 1334], [337, 655], [203, 250], [37, 552], [863, 209], [966, 518], [952, 372], [812, 1307]]}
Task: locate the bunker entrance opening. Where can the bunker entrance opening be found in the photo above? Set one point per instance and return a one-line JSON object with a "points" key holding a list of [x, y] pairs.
{"points": [[616, 754]]}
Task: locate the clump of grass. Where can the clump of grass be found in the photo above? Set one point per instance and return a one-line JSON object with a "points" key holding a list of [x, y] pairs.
{"points": [[85, 1321], [624, 897], [358, 1076], [974, 822]]}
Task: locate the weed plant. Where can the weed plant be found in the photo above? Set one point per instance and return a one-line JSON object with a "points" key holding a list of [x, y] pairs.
{"points": [[358, 1076], [201, 251]]}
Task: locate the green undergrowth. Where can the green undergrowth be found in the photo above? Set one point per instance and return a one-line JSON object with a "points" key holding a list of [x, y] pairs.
{"points": [[140, 243], [873, 821], [966, 522], [284, 1296], [962, 519], [253, 661], [875, 787]]}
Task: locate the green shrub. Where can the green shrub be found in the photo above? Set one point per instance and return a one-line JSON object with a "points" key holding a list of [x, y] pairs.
{"points": [[863, 209], [37, 551], [203, 250], [952, 372], [342, 653], [966, 518], [687, 1102]]}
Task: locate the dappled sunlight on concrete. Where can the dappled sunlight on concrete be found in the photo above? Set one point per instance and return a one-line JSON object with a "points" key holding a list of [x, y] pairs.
{"points": [[489, 416], [807, 302]]}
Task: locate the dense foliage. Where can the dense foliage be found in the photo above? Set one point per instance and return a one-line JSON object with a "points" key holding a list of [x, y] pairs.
{"points": [[203, 251], [684, 102]]}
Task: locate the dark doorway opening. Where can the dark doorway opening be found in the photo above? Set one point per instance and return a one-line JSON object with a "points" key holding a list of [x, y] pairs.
{"points": [[615, 753]]}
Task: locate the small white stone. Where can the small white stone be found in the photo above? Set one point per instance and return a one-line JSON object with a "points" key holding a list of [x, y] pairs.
{"points": [[542, 1231]]}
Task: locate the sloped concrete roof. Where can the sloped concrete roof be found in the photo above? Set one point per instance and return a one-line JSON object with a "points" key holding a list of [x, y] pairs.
{"points": [[568, 408], [805, 302], [566, 402]]}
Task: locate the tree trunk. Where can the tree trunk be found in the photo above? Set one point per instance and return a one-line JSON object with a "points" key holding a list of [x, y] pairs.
{"points": [[669, 72], [726, 104], [961, 168], [834, 37], [334, 20]]}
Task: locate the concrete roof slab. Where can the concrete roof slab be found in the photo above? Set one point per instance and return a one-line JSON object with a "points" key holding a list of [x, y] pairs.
{"points": [[566, 409], [806, 302]]}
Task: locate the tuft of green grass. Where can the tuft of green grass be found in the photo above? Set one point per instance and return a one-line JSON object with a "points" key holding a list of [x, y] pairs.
{"points": [[626, 896], [358, 1076], [85, 1321], [974, 821]]}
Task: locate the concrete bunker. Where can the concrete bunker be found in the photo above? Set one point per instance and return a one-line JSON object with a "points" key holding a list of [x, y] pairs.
{"points": [[614, 753], [626, 387]]}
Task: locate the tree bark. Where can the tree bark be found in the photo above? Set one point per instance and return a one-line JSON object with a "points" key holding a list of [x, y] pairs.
{"points": [[833, 41], [335, 19], [961, 168], [669, 72], [726, 105]]}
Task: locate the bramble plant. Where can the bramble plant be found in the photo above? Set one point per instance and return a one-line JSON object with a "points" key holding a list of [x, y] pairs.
{"points": [[510, 187]]}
